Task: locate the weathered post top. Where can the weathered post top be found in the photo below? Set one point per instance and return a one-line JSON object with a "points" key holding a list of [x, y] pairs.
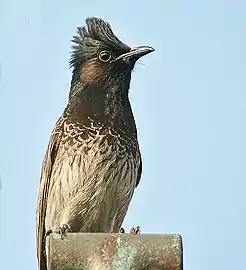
{"points": [[99, 251]]}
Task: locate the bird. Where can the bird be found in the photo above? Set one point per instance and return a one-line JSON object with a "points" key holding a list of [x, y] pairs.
{"points": [[93, 163]]}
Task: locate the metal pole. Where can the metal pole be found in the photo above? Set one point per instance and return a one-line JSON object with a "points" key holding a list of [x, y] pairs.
{"points": [[99, 251]]}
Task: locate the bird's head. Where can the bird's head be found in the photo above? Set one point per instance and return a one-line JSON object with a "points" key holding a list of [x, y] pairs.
{"points": [[100, 58]]}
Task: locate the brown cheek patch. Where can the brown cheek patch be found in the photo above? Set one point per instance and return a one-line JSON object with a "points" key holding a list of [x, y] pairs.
{"points": [[91, 71]]}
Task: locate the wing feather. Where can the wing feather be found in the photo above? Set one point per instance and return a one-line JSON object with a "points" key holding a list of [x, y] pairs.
{"points": [[46, 172], [139, 168]]}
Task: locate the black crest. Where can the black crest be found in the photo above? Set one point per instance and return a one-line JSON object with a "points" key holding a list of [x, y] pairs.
{"points": [[97, 33]]}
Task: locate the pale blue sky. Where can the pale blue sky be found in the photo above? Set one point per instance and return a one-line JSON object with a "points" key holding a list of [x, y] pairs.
{"points": [[189, 102]]}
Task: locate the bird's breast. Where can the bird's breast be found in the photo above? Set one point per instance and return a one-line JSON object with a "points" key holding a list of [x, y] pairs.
{"points": [[90, 155], [100, 139], [94, 174]]}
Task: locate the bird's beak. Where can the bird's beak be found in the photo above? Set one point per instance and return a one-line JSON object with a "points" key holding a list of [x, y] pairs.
{"points": [[136, 53]]}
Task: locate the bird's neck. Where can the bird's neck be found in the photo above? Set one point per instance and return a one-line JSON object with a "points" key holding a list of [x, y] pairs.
{"points": [[107, 106]]}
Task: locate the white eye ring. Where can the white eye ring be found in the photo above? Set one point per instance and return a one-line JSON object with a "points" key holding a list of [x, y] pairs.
{"points": [[104, 56]]}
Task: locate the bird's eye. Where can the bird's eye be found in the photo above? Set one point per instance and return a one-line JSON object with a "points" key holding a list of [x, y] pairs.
{"points": [[104, 56]]}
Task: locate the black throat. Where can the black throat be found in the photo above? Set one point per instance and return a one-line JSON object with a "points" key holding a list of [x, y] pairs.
{"points": [[106, 103]]}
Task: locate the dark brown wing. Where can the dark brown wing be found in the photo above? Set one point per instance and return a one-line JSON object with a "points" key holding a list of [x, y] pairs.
{"points": [[47, 166], [139, 168]]}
